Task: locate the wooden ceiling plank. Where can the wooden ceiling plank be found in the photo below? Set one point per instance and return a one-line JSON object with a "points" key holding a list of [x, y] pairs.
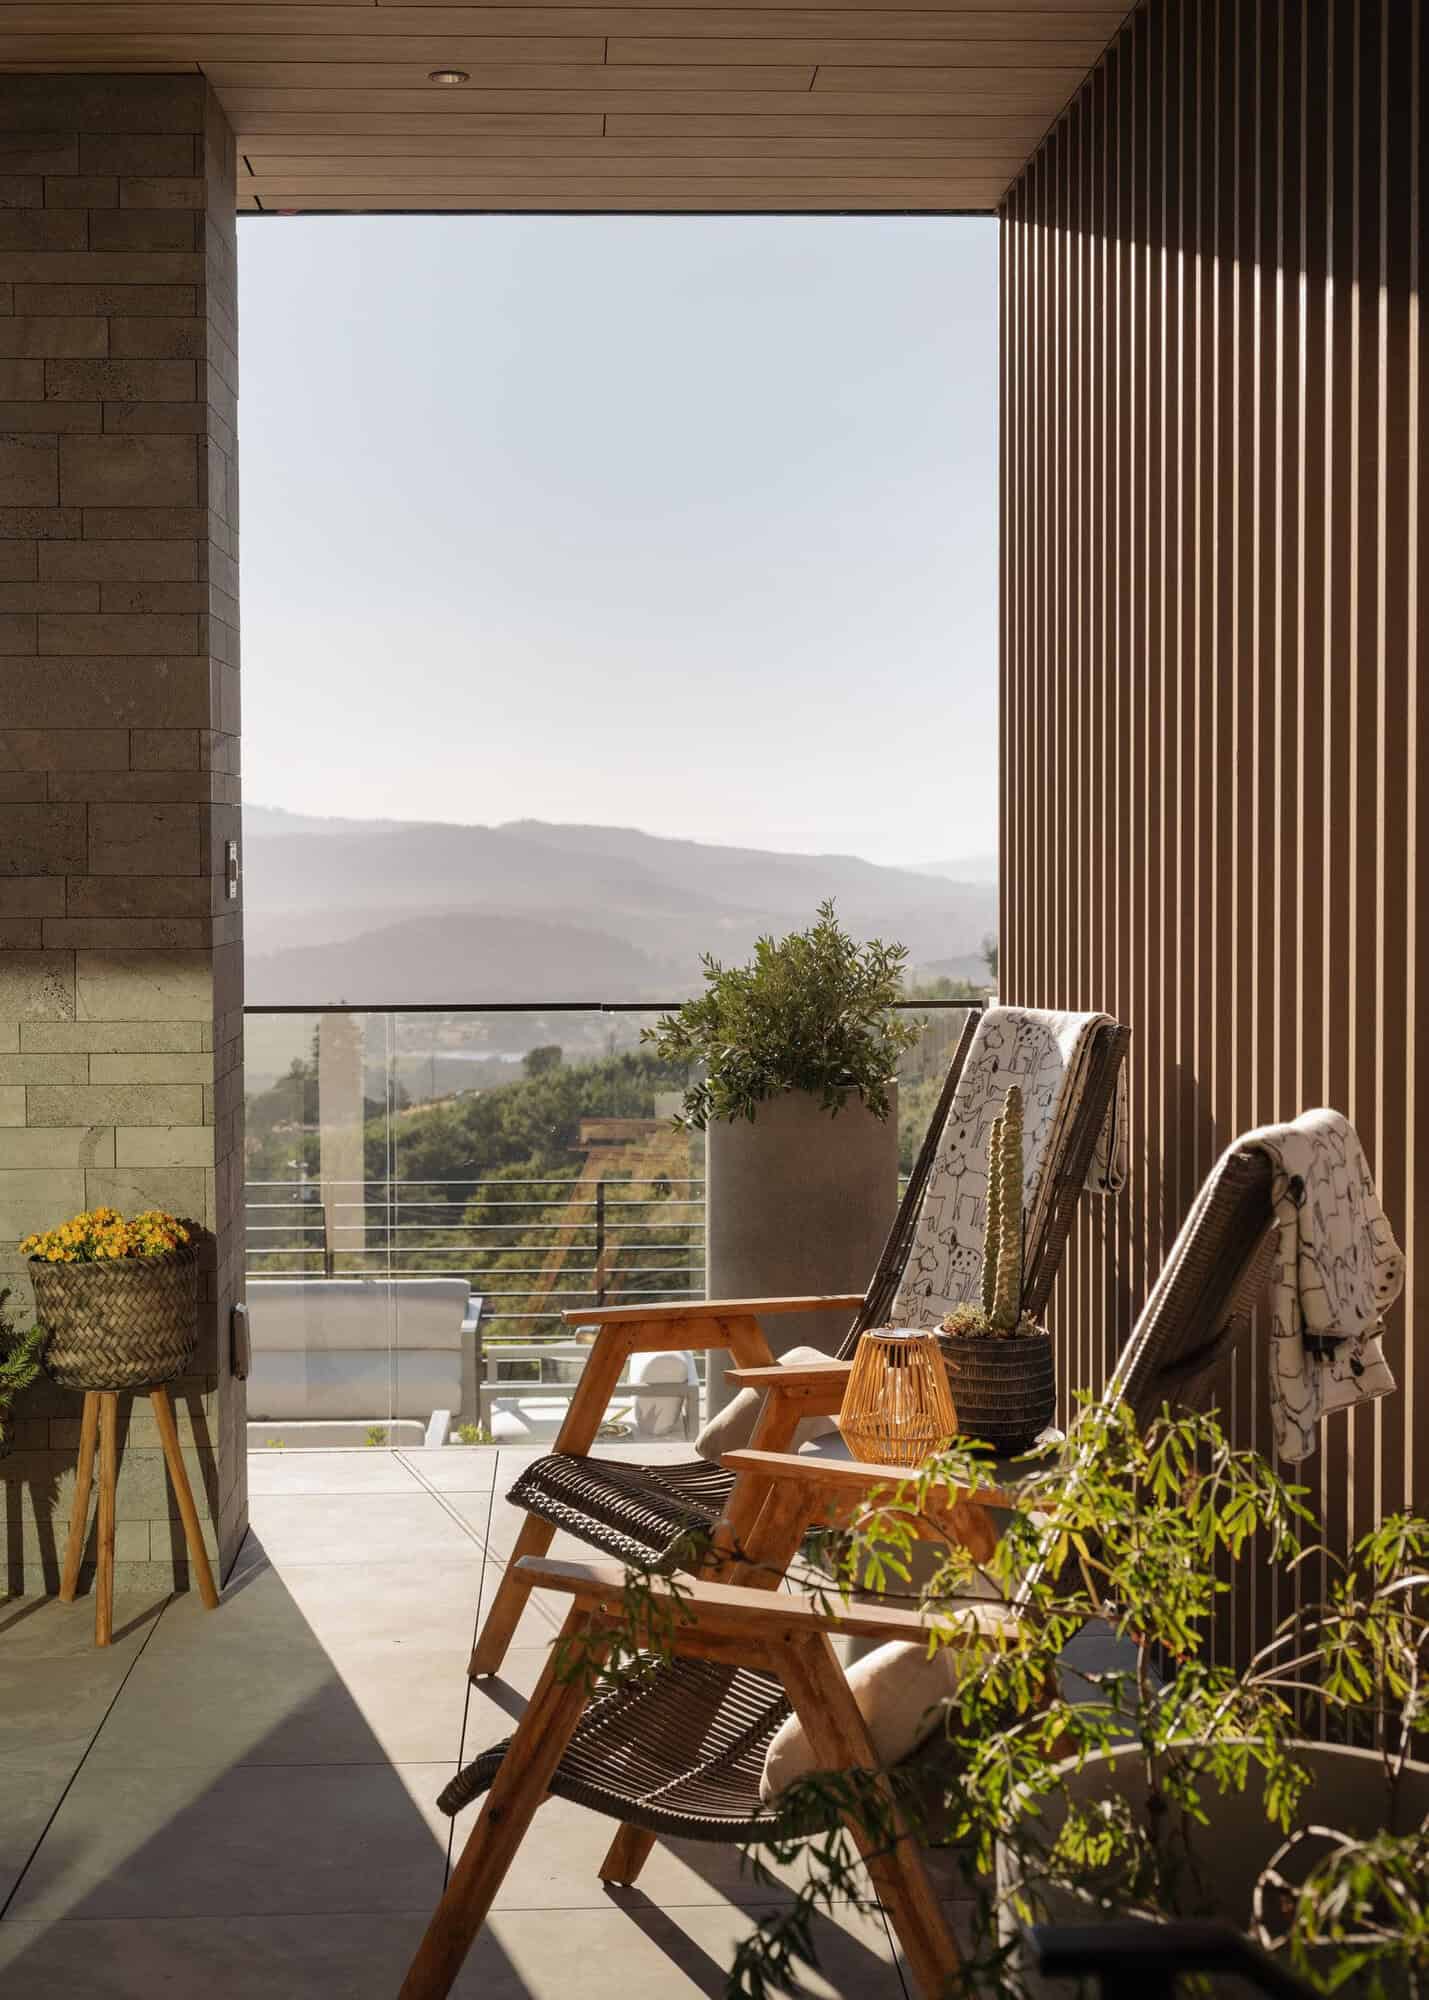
{"points": [[342, 18], [616, 98], [1013, 12], [356, 124], [1068, 58], [817, 123], [409, 56], [313, 80], [575, 174], [998, 88], [337, 154], [890, 199]]}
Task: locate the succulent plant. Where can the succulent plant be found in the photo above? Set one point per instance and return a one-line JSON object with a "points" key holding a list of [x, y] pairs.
{"points": [[1000, 1314]]}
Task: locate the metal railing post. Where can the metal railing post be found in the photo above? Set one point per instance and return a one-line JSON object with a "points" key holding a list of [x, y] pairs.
{"points": [[600, 1243]]}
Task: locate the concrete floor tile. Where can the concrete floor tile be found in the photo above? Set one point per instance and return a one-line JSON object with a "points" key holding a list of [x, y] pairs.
{"points": [[498, 1524], [55, 1683], [455, 1468], [29, 1794], [277, 1840], [329, 1472], [558, 1863], [677, 1954], [602, 1954], [496, 1704], [544, 1612], [310, 1663], [357, 1528]]}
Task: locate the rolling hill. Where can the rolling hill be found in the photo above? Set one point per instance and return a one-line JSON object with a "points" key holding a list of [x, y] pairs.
{"points": [[377, 911]]}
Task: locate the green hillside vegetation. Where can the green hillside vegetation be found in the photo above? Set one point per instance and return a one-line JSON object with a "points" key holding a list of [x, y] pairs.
{"points": [[508, 1158]]}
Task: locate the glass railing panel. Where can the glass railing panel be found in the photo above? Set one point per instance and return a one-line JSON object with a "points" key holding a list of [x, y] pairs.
{"points": [[435, 1196], [319, 1314]]}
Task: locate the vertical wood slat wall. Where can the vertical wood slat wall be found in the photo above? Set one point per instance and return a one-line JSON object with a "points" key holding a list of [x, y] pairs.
{"points": [[1214, 569]]}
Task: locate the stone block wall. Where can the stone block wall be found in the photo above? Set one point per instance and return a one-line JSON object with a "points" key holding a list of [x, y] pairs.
{"points": [[121, 984]]}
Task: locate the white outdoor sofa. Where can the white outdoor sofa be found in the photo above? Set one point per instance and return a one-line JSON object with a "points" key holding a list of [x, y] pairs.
{"points": [[334, 1360]]}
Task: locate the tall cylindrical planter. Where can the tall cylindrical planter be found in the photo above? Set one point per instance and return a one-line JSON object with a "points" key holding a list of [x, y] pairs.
{"points": [[1346, 1792], [797, 1201]]}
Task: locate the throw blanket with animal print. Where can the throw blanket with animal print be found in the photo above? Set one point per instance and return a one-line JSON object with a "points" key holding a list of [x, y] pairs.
{"points": [[1047, 1054], [1338, 1270]]}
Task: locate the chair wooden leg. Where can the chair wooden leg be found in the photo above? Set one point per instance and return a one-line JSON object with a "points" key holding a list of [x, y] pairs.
{"points": [[79, 1511], [108, 1477], [626, 1856], [774, 1431], [183, 1494], [496, 1634], [521, 1783], [840, 1740]]}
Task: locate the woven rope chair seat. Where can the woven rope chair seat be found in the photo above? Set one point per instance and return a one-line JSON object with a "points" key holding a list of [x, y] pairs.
{"points": [[679, 1752], [637, 1513]]}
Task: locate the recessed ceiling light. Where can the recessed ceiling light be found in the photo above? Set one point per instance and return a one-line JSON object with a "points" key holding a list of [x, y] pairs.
{"points": [[449, 76]]}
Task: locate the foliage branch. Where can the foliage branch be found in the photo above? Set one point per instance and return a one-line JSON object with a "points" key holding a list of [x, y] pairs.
{"points": [[1141, 1529], [811, 1012]]}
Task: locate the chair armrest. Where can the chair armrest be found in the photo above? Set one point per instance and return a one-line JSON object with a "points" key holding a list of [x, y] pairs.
{"points": [[817, 1387], [838, 1492], [847, 1476], [726, 1610], [711, 1309]]}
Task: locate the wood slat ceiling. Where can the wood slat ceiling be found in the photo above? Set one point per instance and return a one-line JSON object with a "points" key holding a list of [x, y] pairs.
{"points": [[688, 105]]}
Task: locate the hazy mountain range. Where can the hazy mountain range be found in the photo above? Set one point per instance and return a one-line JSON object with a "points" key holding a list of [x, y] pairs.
{"points": [[379, 911]]}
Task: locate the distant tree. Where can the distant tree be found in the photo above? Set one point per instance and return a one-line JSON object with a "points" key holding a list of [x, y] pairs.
{"points": [[989, 955], [548, 1057]]}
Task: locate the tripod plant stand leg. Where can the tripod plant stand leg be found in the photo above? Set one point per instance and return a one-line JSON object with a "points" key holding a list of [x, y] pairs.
{"points": [[108, 1475], [183, 1494], [79, 1509]]}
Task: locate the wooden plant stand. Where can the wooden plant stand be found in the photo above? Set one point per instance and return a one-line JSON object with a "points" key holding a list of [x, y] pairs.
{"points": [[101, 1421]]}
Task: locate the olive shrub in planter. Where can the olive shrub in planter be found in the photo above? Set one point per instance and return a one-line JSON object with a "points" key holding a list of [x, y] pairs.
{"points": [[796, 1054]]}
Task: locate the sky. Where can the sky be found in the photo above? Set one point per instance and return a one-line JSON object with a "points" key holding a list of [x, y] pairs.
{"points": [[680, 523]]}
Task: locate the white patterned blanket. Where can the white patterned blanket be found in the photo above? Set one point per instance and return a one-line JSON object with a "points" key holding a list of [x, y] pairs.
{"points": [[1338, 1269], [1047, 1054]]}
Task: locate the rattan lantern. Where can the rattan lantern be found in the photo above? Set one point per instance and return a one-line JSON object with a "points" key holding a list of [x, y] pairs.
{"points": [[898, 1408]]}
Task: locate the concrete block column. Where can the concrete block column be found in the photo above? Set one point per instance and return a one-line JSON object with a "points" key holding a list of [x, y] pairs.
{"points": [[121, 981]]}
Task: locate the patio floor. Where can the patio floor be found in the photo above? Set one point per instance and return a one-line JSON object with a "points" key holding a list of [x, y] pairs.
{"points": [[241, 1804]]}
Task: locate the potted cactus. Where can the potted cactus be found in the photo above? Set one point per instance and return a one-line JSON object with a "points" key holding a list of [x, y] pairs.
{"points": [[999, 1359]]}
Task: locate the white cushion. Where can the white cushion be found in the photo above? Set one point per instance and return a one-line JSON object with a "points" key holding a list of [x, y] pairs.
{"points": [[655, 1416], [733, 1426], [899, 1691]]}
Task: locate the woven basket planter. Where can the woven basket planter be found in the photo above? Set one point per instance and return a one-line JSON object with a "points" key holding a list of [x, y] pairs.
{"points": [[1005, 1391], [126, 1323]]}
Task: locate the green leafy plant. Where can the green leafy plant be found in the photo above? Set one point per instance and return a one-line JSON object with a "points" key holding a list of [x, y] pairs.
{"points": [[1139, 1529], [810, 1012], [376, 1435], [473, 1434], [19, 1363]]}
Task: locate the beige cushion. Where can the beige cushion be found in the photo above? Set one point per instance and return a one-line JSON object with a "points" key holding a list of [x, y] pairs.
{"points": [[899, 1691], [733, 1427]]}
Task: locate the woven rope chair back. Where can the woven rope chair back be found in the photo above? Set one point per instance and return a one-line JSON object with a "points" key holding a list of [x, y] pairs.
{"points": [[1066, 1178], [1205, 1294]]}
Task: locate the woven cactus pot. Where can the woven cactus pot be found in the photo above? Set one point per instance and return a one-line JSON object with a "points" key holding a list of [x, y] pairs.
{"points": [[1005, 1391], [126, 1323]]}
